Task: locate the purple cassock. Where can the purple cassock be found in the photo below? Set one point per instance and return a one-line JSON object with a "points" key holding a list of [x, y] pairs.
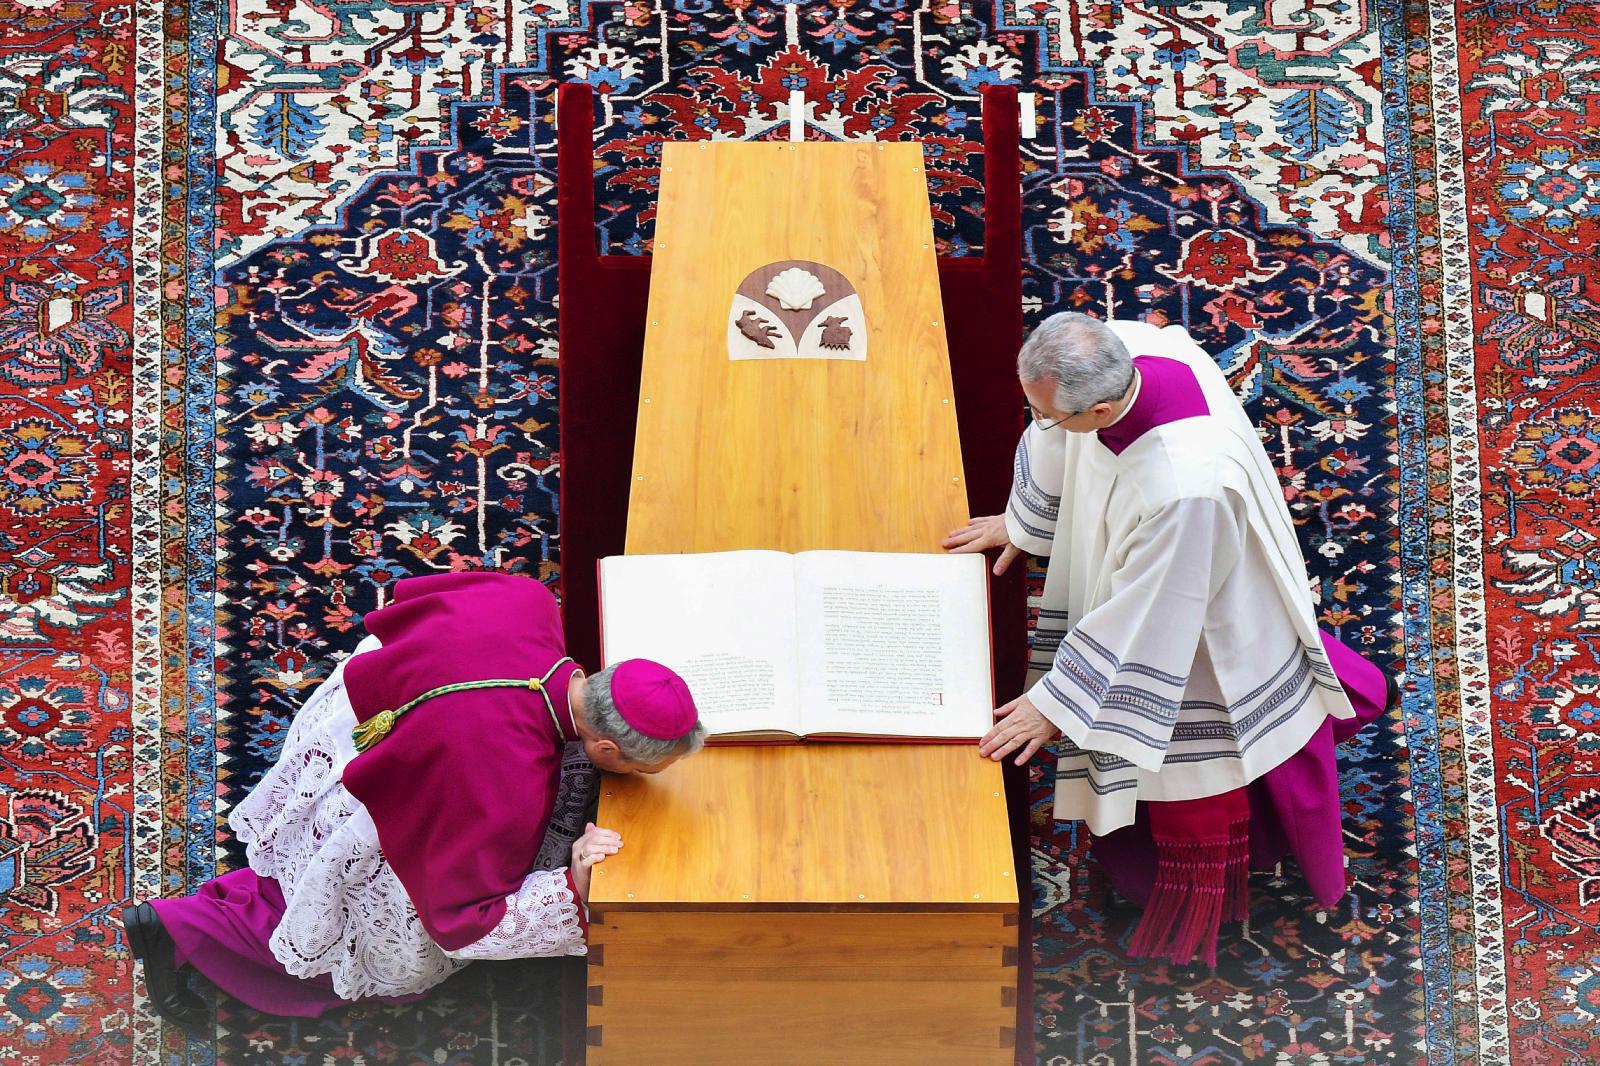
{"points": [[460, 789], [1293, 808]]}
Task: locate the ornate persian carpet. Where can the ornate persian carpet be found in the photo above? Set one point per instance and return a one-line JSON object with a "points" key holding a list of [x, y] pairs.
{"points": [[277, 328]]}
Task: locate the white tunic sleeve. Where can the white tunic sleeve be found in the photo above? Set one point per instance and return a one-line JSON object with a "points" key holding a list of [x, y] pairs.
{"points": [[543, 917], [1118, 679], [1036, 482]]}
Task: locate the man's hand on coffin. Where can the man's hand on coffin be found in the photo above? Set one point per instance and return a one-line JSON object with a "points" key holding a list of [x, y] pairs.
{"points": [[980, 535], [1017, 725], [590, 849]]}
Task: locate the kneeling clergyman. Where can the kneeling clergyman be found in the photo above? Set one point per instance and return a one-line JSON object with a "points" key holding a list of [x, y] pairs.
{"points": [[1177, 654], [427, 809]]}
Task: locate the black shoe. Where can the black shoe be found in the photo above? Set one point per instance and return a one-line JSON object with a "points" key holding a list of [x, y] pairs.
{"points": [[1392, 684], [168, 989]]}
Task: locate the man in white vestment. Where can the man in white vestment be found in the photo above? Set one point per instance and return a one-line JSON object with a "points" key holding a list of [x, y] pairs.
{"points": [[1177, 655]]}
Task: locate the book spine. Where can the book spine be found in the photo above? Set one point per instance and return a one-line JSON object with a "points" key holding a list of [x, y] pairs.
{"points": [[600, 596], [988, 621]]}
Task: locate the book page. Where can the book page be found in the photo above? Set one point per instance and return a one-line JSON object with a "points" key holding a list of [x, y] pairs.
{"points": [[894, 644], [723, 620]]}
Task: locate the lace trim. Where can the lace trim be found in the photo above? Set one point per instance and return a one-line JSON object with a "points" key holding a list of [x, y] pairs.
{"points": [[541, 919]]}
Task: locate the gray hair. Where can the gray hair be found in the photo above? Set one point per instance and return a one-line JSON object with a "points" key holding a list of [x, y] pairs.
{"points": [[601, 714], [1083, 356]]}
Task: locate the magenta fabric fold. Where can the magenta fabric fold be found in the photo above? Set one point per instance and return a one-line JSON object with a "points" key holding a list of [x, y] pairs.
{"points": [[224, 931]]}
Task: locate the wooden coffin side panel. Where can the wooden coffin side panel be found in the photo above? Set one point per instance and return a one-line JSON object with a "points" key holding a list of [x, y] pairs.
{"points": [[801, 988]]}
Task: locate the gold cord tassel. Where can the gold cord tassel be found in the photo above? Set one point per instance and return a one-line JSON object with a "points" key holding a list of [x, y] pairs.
{"points": [[373, 730], [378, 726]]}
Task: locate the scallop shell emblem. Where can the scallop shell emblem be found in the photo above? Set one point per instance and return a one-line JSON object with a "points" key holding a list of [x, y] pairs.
{"points": [[796, 309], [796, 289]]}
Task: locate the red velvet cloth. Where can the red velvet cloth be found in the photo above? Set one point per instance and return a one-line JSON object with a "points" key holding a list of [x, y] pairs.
{"points": [[602, 321], [462, 788]]}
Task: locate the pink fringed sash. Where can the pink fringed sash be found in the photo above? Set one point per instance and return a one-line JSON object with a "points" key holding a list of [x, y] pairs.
{"points": [[1202, 876]]}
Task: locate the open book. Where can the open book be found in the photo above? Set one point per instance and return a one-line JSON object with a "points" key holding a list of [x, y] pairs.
{"points": [[822, 644]]}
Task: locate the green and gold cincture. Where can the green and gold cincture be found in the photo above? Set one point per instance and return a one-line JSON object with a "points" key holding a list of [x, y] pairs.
{"points": [[378, 726]]}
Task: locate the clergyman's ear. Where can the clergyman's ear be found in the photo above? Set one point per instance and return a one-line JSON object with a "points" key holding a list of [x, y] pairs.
{"points": [[605, 746]]}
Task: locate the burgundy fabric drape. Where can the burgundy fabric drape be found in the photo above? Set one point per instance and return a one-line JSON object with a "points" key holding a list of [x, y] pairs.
{"points": [[601, 321]]}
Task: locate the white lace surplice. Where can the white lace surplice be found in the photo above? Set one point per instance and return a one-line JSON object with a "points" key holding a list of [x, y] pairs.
{"points": [[347, 913]]}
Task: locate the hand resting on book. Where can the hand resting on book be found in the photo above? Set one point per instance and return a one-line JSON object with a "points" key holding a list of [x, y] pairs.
{"points": [[1019, 724]]}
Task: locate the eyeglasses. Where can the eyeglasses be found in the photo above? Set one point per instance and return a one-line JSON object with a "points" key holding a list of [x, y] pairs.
{"points": [[1040, 421]]}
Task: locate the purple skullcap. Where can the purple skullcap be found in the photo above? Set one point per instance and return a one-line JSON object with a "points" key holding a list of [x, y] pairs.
{"points": [[653, 700]]}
